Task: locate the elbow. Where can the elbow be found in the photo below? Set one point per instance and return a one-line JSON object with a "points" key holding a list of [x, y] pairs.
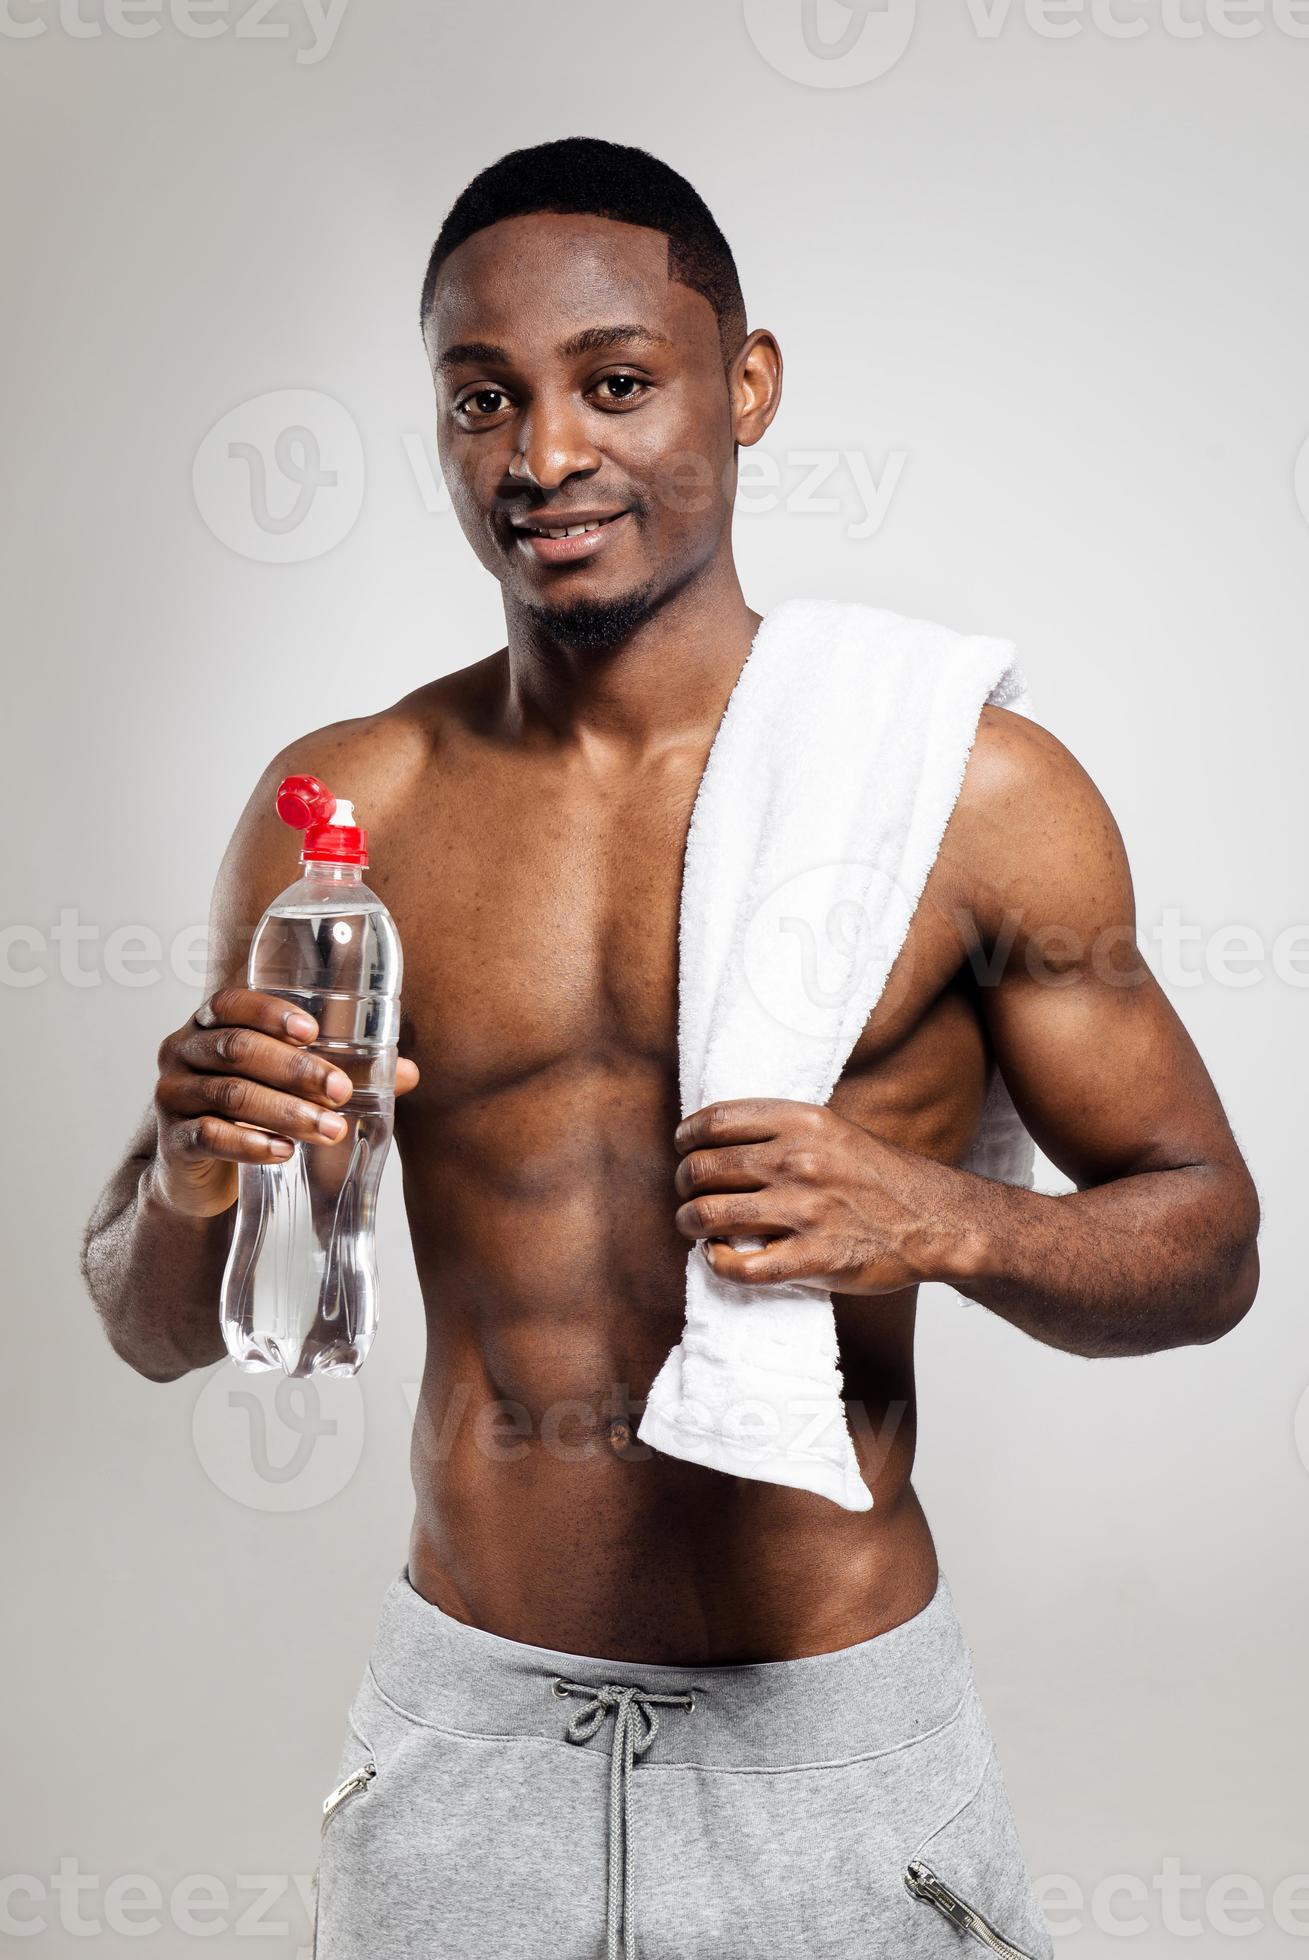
{"points": [[1236, 1300], [156, 1358], [152, 1370], [1233, 1301], [148, 1362]]}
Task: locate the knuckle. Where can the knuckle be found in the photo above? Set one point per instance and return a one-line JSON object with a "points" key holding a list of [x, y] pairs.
{"points": [[229, 1093], [308, 1071], [210, 1135], [168, 1097], [231, 1045], [801, 1164]]}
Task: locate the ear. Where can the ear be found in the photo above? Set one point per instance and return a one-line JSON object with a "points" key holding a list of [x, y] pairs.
{"points": [[755, 385]]}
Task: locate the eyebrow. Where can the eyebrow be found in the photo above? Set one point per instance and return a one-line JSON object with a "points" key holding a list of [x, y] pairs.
{"points": [[591, 340]]}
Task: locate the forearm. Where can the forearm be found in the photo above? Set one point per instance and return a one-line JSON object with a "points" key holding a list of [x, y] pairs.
{"points": [[1157, 1260], [155, 1274]]}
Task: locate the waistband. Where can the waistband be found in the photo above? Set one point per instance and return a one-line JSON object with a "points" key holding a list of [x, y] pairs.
{"points": [[894, 1688]]}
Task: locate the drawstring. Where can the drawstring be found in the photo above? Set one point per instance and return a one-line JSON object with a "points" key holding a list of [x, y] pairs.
{"points": [[633, 1710]]}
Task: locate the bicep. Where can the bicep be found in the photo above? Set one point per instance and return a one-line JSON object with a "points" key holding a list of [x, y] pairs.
{"points": [[1098, 1063], [1103, 1073]]}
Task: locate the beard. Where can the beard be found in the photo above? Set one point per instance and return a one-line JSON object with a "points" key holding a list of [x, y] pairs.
{"points": [[596, 625]]}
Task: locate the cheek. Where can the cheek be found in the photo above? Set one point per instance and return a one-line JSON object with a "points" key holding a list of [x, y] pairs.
{"points": [[475, 475], [689, 489], [472, 518]]}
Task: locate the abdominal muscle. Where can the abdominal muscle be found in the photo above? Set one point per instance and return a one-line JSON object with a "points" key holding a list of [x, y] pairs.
{"points": [[554, 1281]]}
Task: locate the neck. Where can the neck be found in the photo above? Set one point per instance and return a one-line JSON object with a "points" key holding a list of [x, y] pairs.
{"points": [[664, 684]]}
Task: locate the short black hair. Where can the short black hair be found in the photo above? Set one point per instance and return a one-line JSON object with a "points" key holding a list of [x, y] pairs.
{"points": [[585, 174]]}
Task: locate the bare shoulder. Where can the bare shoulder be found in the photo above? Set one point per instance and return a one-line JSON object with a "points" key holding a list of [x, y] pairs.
{"points": [[1031, 831], [377, 760]]}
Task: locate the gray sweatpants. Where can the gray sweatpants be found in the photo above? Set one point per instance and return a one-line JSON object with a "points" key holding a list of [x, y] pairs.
{"points": [[501, 1799]]}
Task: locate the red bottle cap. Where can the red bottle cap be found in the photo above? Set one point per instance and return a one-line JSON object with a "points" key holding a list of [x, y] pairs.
{"points": [[331, 834]]}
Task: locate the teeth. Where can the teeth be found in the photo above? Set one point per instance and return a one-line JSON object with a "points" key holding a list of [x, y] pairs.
{"points": [[573, 530]]}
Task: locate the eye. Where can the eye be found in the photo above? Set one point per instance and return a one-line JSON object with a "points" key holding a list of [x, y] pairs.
{"points": [[486, 402], [631, 386]]}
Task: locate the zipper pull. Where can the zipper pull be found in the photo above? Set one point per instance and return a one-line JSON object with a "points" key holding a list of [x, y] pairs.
{"points": [[923, 1882], [360, 1780]]}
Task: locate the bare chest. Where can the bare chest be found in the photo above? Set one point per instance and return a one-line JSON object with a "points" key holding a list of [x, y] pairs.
{"points": [[539, 918]]}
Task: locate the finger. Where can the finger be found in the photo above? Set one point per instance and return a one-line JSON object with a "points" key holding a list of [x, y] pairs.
{"points": [[210, 1136], [750, 1119], [725, 1216], [406, 1076], [262, 1058], [237, 1099], [246, 1007], [784, 1262], [740, 1167]]}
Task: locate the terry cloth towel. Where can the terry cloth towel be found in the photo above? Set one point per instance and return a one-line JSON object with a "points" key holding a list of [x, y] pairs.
{"points": [[820, 812]]}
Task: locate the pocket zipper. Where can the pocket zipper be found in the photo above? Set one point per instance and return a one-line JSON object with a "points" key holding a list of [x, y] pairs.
{"points": [[352, 1785], [924, 1883]]}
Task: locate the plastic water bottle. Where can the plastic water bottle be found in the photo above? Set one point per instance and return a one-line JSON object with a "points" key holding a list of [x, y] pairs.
{"points": [[299, 1291]]}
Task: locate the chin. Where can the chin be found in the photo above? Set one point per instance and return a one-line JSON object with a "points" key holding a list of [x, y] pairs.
{"points": [[594, 624]]}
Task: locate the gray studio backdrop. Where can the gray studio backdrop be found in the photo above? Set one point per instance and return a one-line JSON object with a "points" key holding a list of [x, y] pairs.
{"points": [[1038, 276]]}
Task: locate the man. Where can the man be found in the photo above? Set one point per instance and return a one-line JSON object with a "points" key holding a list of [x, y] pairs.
{"points": [[615, 1695]]}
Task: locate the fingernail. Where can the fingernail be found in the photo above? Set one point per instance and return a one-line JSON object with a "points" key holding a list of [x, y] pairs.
{"points": [[330, 1125], [339, 1085], [301, 1027]]}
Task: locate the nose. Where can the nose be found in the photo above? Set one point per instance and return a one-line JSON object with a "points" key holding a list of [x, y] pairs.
{"points": [[554, 444]]}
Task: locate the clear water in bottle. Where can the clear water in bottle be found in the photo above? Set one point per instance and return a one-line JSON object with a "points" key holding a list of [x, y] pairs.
{"points": [[300, 1288]]}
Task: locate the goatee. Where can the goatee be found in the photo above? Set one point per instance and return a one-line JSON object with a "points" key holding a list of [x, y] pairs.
{"points": [[595, 625]]}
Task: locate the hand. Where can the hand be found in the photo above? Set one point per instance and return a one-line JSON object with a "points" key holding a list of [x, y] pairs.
{"points": [[846, 1213], [243, 1058]]}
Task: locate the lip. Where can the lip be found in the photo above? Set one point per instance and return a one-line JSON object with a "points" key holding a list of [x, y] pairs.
{"points": [[564, 551]]}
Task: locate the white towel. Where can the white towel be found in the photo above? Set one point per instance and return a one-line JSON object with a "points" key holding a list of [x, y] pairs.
{"points": [[822, 806]]}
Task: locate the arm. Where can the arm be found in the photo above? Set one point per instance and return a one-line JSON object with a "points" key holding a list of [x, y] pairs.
{"points": [[154, 1248], [1156, 1247]]}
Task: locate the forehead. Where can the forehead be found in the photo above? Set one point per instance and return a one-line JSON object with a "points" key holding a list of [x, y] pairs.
{"points": [[526, 281]]}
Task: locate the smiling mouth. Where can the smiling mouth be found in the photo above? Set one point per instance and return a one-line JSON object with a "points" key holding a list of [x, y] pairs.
{"points": [[562, 545], [569, 530]]}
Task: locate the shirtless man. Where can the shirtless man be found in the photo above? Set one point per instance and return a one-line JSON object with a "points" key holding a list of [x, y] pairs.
{"points": [[527, 816]]}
